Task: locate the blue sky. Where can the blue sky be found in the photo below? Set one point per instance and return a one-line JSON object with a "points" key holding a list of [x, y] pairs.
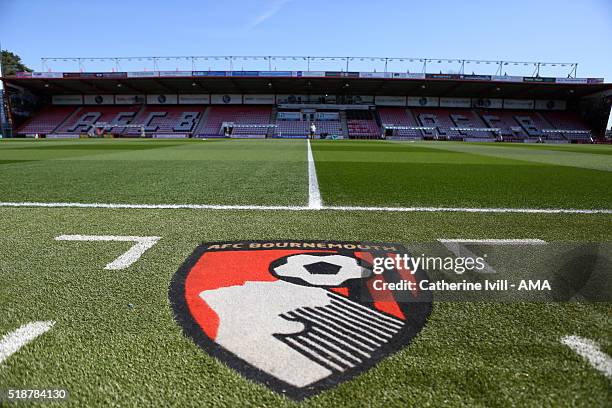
{"points": [[546, 30]]}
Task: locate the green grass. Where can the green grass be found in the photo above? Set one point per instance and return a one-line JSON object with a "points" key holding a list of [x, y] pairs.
{"points": [[425, 174], [274, 173], [107, 354], [585, 148], [128, 171], [484, 354]]}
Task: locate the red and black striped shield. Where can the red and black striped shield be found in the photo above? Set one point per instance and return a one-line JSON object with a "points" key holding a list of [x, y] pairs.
{"points": [[297, 316]]}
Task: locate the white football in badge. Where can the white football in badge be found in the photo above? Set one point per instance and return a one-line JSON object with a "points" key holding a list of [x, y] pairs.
{"points": [[322, 270]]}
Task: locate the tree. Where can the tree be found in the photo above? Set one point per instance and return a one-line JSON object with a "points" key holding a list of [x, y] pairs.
{"points": [[11, 63]]}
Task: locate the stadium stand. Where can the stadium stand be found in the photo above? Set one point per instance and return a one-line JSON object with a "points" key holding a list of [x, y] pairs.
{"points": [[510, 129], [47, 120], [346, 104], [287, 128], [563, 120], [520, 125], [167, 119], [238, 115], [266, 121], [361, 124], [444, 120], [3, 114], [300, 128], [399, 117], [532, 123], [86, 117]]}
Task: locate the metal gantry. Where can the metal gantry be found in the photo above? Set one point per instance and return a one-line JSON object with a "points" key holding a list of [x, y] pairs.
{"points": [[426, 63]]}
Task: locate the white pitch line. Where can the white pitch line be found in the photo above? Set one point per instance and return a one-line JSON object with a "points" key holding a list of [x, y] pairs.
{"points": [[126, 259], [314, 195], [304, 208], [473, 210], [520, 241], [590, 351], [154, 206], [12, 342]]}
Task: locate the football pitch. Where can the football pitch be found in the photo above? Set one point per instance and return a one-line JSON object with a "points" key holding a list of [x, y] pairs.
{"points": [[112, 339]]}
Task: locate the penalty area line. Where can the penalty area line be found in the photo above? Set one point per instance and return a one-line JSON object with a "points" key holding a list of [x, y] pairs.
{"points": [[12, 342], [305, 208], [141, 245], [590, 351]]}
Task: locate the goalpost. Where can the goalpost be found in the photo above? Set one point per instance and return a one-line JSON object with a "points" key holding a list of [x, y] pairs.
{"points": [[393, 128], [248, 130], [587, 135]]}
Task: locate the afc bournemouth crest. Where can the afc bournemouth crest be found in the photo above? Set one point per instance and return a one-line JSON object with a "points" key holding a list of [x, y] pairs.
{"points": [[297, 316]]}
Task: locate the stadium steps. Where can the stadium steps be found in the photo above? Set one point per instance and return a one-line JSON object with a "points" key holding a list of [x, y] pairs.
{"points": [[377, 118], [140, 113], [479, 122], [414, 119], [545, 120], [68, 118], [202, 122], [138, 119], [24, 125], [549, 123], [479, 113], [272, 121], [343, 124]]}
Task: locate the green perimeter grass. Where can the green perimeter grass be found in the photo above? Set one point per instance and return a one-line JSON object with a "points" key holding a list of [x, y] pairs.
{"points": [[575, 148], [274, 172], [456, 175], [154, 171], [106, 354]]}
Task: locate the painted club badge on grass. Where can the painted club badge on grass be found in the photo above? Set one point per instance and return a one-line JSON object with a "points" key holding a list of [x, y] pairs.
{"points": [[297, 316]]}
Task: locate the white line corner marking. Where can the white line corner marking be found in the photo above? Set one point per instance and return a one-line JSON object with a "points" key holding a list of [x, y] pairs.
{"points": [[124, 260], [314, 195], [590, 351], [12, 342]]}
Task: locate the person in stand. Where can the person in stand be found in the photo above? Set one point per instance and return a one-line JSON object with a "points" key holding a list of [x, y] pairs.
{"points": [[313, 130]]}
